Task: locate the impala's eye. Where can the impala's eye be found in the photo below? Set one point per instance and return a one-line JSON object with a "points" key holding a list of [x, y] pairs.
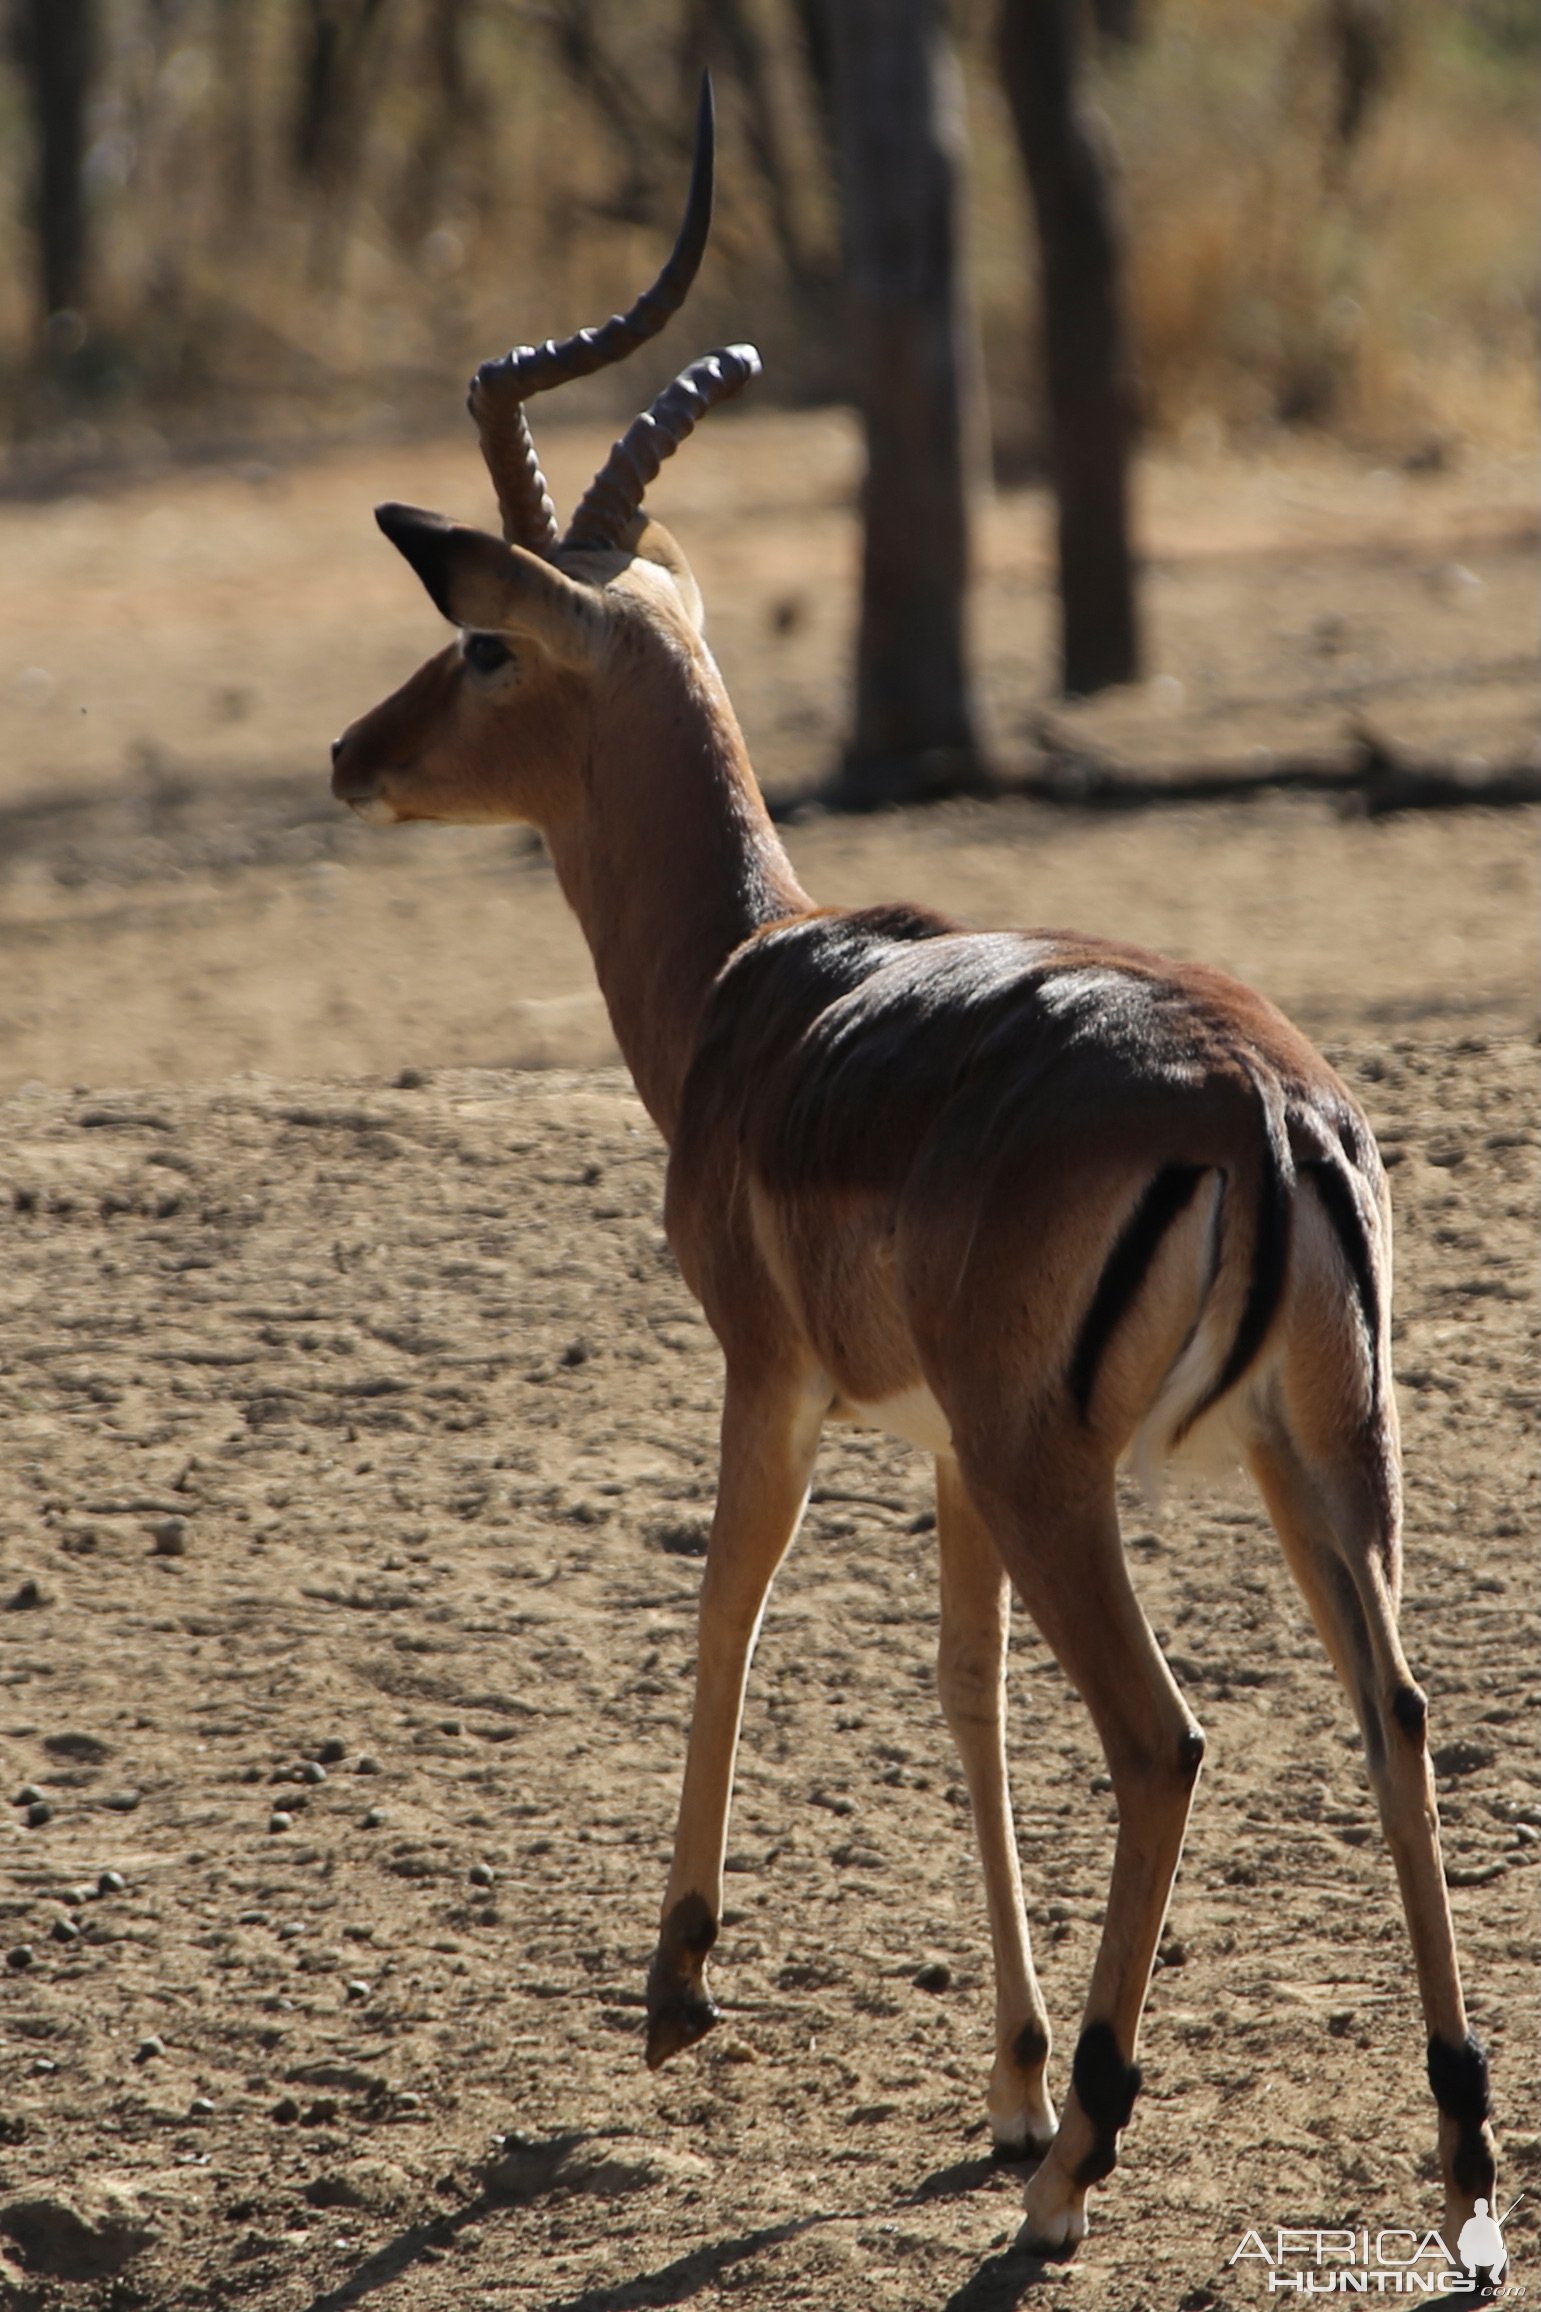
{"points": [[485, 652]]}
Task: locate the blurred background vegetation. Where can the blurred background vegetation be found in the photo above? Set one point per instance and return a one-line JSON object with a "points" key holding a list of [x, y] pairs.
{"points": [[303, 220]]}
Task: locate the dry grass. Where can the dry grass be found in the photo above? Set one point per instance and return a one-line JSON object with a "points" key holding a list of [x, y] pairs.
{"points": [[1388, 296]]}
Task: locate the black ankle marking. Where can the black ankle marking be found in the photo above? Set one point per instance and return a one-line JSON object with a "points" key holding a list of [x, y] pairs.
{"points": [[1030, 2048], [1458, 2077], [1410, 1708], [1190, 1753], [690, 1930], [1105, 2087]]}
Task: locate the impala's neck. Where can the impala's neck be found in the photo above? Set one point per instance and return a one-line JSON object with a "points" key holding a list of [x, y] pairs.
{"points": [[670, 862]]}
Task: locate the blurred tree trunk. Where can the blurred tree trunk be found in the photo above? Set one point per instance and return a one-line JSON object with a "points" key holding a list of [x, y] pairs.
{"points": [[1068, 162], [56, 49], [899, 136]]}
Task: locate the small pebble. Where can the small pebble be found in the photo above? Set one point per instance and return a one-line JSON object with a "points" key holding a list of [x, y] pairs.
{"points": [[149, 2047], [367, 1765], [935, 1975], [481, 1874], [65, 1931], [374, 1818], [111, 1882], [322, 2112], [452, 1726], [359, 1989], [20, 1955], [311, 1772], [28, 1795], [38, 1813], [77, 1897], [201, 2107], [27, 1596], [279, 1820], [170, 1537], [286, 2111], [409, 2102], [121, 1801], [332, 1751], [43, 2067]]}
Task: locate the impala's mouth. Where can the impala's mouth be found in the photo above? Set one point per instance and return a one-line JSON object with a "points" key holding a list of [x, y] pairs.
{"points": [[361, 791], [375, 809]]}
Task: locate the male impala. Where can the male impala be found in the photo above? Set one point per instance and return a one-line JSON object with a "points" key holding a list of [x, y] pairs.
{"points": [[1030, 1201]]}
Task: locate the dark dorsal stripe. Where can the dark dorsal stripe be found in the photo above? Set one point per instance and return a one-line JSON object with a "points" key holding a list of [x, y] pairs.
{"points": [[1126, 1268], [1270, 1259], [1341, 1206]]}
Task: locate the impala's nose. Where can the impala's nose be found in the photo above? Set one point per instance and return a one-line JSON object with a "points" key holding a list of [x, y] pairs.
{"points": [[350, 782]]}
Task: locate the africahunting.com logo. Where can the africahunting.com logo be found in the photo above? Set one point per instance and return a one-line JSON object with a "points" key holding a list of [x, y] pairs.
{"points": [[1354, 2261]]}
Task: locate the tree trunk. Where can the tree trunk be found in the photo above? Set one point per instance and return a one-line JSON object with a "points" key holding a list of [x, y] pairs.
{"points": [[56, 47], [1067, 159], [899, 133]]}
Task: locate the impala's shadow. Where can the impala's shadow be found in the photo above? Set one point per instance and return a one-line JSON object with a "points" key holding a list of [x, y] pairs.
{"points": [[999, 2284], [672, 2283]]}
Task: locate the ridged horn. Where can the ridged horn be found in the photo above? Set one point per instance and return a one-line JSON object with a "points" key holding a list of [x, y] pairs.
{"points": [[616, 492], [502, 386]]}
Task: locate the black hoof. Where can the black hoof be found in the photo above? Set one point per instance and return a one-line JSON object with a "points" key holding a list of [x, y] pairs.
{"points": [[677, 2022], [1027, 2153]]}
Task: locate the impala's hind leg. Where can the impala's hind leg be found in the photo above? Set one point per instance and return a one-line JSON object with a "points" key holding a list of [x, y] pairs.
{"points": [[770, 1432], [971, 1683], [1066, 1559], [1338, 1520]]}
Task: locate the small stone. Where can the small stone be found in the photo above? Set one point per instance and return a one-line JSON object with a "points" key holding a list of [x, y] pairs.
{"points": [[359, 1989], [738, 2051], [170, 1537], [201, 2107], [64, 1930], [367, 1765], [38, 1813], [1102, 1784], [280, 1820], [121, 1801], [20, 1955], [332, 1751], [42, 2067], [1173, 1954], [935, 1975], [481, 1874], [322, 2112], [27, 1596], [374, 1818], [409, 2102], [286, 2111], [452, 1726], [149, 2047], [77, 1897], [311, 1772], [28, 1795], [111, 1882]]}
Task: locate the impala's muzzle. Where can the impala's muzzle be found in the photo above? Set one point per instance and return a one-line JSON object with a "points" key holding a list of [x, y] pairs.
{"points": [[355, 782]]}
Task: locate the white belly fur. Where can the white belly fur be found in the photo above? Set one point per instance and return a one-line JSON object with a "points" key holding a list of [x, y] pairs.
{"points": [[914, 1415]]}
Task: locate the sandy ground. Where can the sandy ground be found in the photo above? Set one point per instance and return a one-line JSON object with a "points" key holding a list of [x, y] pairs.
{"points": [[355, 1413]]}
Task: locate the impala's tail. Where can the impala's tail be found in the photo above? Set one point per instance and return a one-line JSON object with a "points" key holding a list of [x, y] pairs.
{"points": [[1249, 1239]]}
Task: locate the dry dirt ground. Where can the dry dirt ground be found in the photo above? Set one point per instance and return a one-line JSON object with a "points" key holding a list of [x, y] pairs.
{"points": [[359, 1440]]}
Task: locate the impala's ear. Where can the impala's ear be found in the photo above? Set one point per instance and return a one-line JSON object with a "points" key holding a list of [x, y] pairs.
{"points": [[477, 581]]}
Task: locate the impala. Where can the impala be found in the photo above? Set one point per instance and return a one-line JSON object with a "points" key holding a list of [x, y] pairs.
{"points": [[1031, 1201]]}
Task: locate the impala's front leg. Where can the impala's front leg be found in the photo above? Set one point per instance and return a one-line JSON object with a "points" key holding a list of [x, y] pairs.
{"points": [[971, 1683], [770, 1432]]}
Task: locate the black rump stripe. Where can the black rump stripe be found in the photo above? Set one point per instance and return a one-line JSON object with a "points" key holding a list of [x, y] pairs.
{"points": [[1341, 1206], [1127, 1266]]}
